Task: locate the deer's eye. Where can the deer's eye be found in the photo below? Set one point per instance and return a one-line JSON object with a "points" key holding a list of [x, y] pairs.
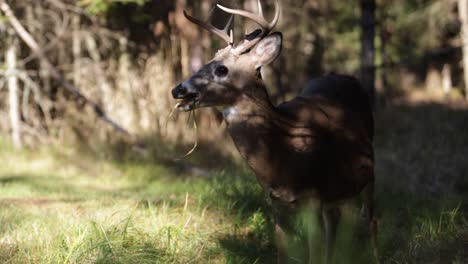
{"points": [[221, 71]]}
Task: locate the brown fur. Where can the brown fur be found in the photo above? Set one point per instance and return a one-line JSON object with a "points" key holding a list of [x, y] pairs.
{"points": [[311, 145]]}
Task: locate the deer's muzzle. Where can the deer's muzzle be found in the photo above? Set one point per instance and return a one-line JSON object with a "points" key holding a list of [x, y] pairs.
{"points": [[187, 95]]}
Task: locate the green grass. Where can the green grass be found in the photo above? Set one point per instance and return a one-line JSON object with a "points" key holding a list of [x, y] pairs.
{"points": [[69, 209], [60, 206]]}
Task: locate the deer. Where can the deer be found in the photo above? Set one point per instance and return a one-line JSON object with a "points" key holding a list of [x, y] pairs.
{"points": [[314, 149]]}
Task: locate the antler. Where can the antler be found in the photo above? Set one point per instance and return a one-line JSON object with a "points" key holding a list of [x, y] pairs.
{"points": [[253, 38], [225, 33], [259, 18]]}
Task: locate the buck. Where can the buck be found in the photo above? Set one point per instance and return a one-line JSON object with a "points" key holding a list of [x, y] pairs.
{"points": [[316, 147]]}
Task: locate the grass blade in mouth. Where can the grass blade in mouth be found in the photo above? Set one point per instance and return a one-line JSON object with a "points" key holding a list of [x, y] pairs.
{"points": [[195, 126], [169, 118], [192, 115]]}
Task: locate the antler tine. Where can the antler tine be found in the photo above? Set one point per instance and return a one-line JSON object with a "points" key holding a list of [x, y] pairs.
{"points": [[229, 31], [257, 18], [225, 34], [229, 23], [277, 15], [260, 8], [253, 38]]}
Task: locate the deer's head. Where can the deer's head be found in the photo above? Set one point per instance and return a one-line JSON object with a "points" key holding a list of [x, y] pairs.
{"points": [[227, 76]]}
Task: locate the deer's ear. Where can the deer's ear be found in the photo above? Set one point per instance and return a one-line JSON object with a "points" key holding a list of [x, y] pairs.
{"points": [[266, 51]]}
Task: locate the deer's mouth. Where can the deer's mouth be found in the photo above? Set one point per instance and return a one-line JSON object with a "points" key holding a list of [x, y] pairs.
{"points": [[189, 102]]}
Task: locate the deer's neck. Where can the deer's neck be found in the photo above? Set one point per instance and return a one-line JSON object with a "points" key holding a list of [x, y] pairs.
{"points": [[251, 125]]}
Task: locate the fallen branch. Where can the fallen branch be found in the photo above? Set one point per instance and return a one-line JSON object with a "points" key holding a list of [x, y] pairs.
{"points": [[34, 46]]}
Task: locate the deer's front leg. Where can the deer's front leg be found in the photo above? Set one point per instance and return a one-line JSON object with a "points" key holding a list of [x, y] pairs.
{"points": [[281, 225], [367, 212], [280, 241], [285, 208], [284, 214], [330, 217]]}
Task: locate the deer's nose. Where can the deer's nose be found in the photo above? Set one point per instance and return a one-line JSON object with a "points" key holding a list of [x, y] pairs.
{"points": [[179, 92]]}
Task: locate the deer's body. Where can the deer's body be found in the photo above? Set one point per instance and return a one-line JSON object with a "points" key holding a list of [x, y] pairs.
{"points": [[312, 146], [317, 146]]}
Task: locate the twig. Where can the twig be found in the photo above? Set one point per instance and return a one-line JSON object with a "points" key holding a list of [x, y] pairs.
{"points": [[51, 43], [33, 45], [66, 7]]}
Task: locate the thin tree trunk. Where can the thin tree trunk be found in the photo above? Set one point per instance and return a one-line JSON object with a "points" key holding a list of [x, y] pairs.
{"points": [[463, 13], [101, 75], [368, 47], [126, 81], [76, 48], [384, 38], [13, 94], [446, 79], [185, 57], [44, 73]]}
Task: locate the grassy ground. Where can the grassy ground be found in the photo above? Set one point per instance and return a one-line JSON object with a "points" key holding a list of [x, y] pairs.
{"points": [[60, 207]]}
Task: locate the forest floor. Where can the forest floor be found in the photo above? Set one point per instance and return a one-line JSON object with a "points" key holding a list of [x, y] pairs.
{"points": [[59, 206]]}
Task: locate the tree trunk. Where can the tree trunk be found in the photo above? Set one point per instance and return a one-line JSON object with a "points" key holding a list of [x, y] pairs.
{"points": [[105, 87], [384, 35], [76, 50], [128, 86], [368, 47], [39, 14], [463, 13], [13, 93], [185, 57], [446, 79]]}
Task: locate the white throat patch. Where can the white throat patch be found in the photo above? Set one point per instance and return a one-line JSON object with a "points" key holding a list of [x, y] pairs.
{"points": [[230, 113]]}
